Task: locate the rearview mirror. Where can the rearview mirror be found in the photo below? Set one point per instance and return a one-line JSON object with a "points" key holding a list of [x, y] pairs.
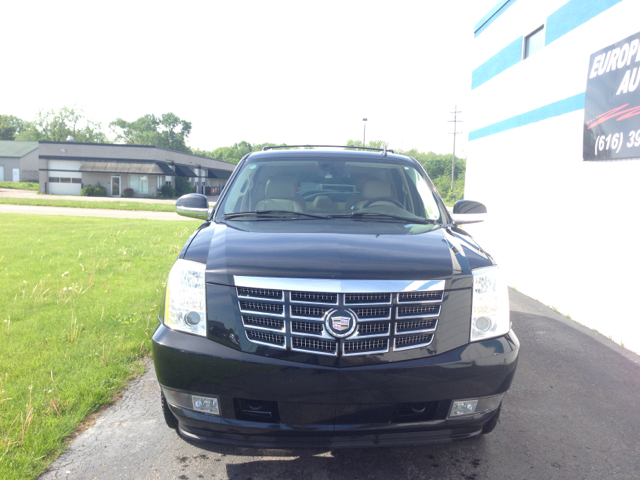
{"points": [[193, 205], [468, 211]]}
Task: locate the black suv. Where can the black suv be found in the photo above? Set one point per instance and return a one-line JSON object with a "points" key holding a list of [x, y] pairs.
{"points": [[331, 300]]}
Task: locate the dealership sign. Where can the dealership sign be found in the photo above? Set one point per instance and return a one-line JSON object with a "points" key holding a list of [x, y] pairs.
{"points": [[612, 103]]}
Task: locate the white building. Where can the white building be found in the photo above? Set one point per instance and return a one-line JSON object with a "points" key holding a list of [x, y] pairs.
{"points": [[66, 167], [18, 161], [562, 218]]}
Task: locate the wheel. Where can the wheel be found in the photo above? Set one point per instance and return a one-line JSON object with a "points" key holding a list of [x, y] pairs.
{"points": [[169, 417], [383, 199], [491, 424]]}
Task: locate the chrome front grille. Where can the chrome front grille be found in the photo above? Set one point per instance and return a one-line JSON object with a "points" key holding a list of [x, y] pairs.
{"points": [[259, 293], [314, 328], [412, 297], [413, 341], [355, 298], [418, 311], [420, 325], [266, 338], [261, 307], [370, 313], [314, 297], [263, 322], [303, 311], [370, 328], [326, 347], [361, 347], [292, 319]]}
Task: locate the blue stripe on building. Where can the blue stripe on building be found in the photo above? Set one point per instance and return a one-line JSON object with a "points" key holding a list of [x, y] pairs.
{"points": [[573, 14], [504, 59], [568, 17], [491, 17], [554, 109]]}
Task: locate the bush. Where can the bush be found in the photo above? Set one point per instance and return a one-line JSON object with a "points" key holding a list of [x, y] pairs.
{"points": [[183, 186], [127, 192], [443, 185], [94, 191], [167, 191]]}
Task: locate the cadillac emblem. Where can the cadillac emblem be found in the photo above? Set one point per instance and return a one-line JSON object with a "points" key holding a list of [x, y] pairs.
{"points": [[340, 322]]}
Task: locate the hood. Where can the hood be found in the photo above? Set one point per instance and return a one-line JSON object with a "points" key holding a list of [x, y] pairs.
{"points": [[326, 250]]}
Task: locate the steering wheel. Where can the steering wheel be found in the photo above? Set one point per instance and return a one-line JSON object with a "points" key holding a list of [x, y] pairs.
{"points": [[382, 199]]}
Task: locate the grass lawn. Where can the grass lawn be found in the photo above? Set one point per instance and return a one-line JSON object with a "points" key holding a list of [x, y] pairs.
{"points": [[20, 185], [108, 205], [79, 300]]}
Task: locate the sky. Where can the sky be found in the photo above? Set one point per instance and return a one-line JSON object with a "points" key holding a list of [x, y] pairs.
{"points": [[298, 72]]}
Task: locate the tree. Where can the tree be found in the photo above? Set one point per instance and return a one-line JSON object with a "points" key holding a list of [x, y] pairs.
{"points": [[168, 131], [58, 126], [370, 144], [183, 186], [10, 126], [234, 153]]}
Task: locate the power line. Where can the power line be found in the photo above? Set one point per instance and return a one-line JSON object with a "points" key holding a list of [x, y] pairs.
{"points": [[454, 133]]}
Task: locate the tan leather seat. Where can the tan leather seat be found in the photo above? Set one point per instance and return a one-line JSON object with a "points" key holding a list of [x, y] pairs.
{"points": [[322, 203], [356, 197], [280, 194], [374, 189]]}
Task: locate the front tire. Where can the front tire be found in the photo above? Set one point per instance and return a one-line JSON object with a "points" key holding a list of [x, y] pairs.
{"points": [[169, 417], [490, 426]]}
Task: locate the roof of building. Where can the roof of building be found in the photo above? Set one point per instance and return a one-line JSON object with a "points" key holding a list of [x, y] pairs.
{"points": [[15, 148], [220, 164], [139, 168]]}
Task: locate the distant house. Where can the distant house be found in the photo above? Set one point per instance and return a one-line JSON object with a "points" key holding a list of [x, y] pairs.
{"points": [[63, 168], [18, 161]]}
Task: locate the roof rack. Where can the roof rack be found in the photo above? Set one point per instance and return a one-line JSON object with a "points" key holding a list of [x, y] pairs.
{"points": [[384, 150]]}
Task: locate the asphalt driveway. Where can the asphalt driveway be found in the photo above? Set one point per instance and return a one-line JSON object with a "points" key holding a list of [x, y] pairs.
{"points": [[32, 194], [573, 412], [89, 212]]}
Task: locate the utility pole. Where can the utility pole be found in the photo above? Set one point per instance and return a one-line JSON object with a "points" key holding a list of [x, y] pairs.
{"points": [[454, 133], [364, 134]]}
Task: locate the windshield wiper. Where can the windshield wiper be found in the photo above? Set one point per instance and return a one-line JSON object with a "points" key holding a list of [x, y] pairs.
{"points": [[277, 213], [386, 215]]}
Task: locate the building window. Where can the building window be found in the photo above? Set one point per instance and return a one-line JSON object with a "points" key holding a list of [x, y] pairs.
{"points": [[64, 180], [160, 180], [533, 42], [139, 183]]}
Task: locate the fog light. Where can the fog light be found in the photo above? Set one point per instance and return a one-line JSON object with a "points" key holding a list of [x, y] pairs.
{"points": [[205, 404], [463, 407], [192, 402], [460, 408]]}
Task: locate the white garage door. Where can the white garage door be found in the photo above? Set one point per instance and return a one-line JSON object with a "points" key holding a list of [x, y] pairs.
{"points": [[64, 188], [1, 173], [64, 178]]}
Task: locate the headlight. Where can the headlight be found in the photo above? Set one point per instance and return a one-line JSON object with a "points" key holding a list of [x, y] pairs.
{"points": [[185, 304], [490, 305]]}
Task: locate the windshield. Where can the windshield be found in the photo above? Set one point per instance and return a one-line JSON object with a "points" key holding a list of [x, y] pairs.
{"points": [[330, 188]]}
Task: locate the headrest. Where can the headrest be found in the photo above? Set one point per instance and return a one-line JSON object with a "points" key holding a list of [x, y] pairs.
{"points": [[322, 202], [280, 188], [375, 189]]}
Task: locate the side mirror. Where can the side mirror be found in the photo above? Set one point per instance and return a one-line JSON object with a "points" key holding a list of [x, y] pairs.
{"points": [[193, 205], [468, 211]]}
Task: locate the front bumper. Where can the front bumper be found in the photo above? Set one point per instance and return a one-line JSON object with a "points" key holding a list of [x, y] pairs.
{"points": [[316, 406]]}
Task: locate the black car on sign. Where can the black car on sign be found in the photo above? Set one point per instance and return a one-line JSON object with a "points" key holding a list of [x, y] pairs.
{"points": [[328, 300]]}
